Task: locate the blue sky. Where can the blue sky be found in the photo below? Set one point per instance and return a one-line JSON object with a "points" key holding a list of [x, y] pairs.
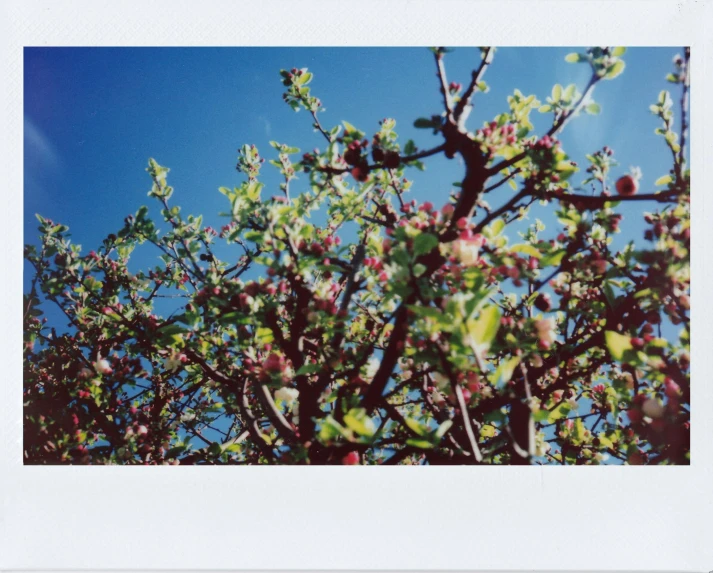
{"points": [[93, 117]]}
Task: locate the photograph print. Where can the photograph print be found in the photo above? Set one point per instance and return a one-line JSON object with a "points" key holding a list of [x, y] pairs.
{"points": [[467, 256]]}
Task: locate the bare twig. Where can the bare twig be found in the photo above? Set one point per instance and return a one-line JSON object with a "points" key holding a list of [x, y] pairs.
{"points": [[475, 79]]}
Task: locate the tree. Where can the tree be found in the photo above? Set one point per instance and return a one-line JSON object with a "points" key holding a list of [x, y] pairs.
{"points": [[429, 338]]}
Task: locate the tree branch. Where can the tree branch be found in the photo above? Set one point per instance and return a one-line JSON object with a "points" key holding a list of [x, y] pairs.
{"points": [[475, 79], [443, 83]]}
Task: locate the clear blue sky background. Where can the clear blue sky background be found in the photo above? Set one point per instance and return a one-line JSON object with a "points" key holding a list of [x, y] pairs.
{"points": [[93, 117]]}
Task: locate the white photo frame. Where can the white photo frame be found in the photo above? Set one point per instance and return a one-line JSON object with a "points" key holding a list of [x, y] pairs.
{"points": [[366, 518]]}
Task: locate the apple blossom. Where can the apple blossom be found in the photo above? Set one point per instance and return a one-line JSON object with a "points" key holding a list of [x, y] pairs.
{"points": [[287, 395], [652, 408], [102, 366]]}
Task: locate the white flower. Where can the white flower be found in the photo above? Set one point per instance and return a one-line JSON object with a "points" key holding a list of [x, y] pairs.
{"points": [[466, 251], [103, 366], [287, 395], [573, 404], [188, 415], [652, 408], [541, 445], [441, 380], [546, 329], [542, 448], [372, 367], [174, 361]]}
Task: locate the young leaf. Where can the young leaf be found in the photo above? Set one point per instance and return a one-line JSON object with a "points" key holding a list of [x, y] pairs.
{"points": [[616, 69], [359, 422], [424, 243], [503, 373], [485, 327], [617, 344], [664, 180], [528, 249]]}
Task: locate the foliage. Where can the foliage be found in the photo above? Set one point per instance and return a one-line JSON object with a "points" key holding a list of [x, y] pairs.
{"points": [[431, 338]]}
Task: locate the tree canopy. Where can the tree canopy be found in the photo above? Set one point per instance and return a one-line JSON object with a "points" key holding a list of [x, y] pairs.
{"points": [[430, 334]]}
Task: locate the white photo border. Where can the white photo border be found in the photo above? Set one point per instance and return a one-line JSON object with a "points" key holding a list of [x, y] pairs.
{"points": [[455, 518]]}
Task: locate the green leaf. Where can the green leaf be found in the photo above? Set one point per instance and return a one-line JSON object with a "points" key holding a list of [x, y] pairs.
{"points": [[485, 327], [617, 344], [616, 69], [540, 415], [424, 243], [488, 431], [359, 422], [609, 294], [556, 93], [503, 373], [618, 51], [442, 429], [528, 249], [495, 228], [349, 128], [264, 335], [605, 441], [552, 259], [418, 443], [308, 369], [578, 431], [574, 57], [172, 329], [423, 123], [176, 451], [664, 180], [545, 108], [332, 429], [593, 108], [426, 311], [642, 293], [558, 413], [417, 427]]}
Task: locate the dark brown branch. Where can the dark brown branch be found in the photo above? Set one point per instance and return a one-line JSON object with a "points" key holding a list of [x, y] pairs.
{"points": [[684, 116], [475, 79], [598, 201], [462, 406], [502, 181], [404, 160], [272, 411], [506, 208], [388, 361], [444, 83]]}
